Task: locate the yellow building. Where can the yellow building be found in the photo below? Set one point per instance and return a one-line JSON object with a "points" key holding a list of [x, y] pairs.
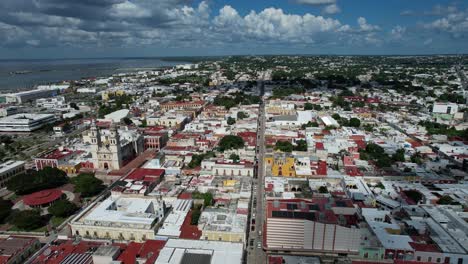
{"points": [[229, 183], [70, 169], [222, 224], [227, 236], [281, 165], [107, 94]]}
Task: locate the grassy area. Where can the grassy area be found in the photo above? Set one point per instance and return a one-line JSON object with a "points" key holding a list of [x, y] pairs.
{"points": [[56, 221], [40, 229]]}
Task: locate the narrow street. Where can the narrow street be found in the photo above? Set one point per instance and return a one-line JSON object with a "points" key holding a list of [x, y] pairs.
{"points": [[256, 254]]}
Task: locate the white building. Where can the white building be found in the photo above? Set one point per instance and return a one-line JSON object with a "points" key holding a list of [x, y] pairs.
{"points": [[29, 96], [178, 251], [110, 148], [25, 122], [174, 221], [53, 103], [120, 218], [117, 116], [10, 169], [445, 108], [9, 110]]}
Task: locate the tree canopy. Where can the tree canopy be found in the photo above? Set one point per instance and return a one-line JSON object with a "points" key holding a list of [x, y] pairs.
{"points": [[37, 180], [231, 121], [198, 158], [87, 185], [5, 209], [207, 197], [26, 220], [284, 146], [231, 142], [301, 145], [354, 122], [242, 115], [62, 208]]}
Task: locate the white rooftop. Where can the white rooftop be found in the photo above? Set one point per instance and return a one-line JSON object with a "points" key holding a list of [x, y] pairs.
{"points": [[9, 165], [125, 210], [219, 252], [174, 221], [24, 118]]}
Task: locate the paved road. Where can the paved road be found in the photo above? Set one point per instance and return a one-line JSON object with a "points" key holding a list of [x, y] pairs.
{"points": [[256, 253]]}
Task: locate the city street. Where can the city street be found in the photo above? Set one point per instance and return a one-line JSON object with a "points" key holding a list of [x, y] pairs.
{"points": [[255, 250]]}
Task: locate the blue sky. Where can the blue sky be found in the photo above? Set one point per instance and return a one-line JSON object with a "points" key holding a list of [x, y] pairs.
{"points": [[130, 28]]}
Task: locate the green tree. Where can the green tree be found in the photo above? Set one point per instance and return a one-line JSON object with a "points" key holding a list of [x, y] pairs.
{"points": [[87, 185], [354, 122], [416, 158], [284, 146], [308, 106], [207, 197], [196, 213], [5, 209], [26, 220], [234, 157], [414, 195], [446, 199], [310, 124], [144, 123], [336, 116], [37, 180], [242, 115], [231, 121], [399, 155], [301, 145], [62, 208], [127, 121], [230, 142], [323, 189]]}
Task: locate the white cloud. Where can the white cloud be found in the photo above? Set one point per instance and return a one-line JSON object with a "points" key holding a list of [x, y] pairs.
{"points": [[331, 9], [316, 2], [177, 23], [398, 32], [365, 27], [128, 9]]}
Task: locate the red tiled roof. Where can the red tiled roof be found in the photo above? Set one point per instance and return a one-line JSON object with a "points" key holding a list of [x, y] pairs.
{"points": [[63, 249], [275, 260], [42, 197], [148, 250], [185, 196], [145, 174], [188, 231], [424, 247], [319, 146], [58, 154], [322, 168]]}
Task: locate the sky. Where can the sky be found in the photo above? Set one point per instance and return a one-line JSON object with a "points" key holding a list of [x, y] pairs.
{"points": [[158, 28]]}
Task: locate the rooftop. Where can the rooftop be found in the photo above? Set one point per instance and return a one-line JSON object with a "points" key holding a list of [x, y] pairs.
{"points": [[43, 197], [125, 210]]}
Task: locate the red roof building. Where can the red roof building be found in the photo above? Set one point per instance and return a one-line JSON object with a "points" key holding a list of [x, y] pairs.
{"points": [[145, 175], [43, 198], [55, 158]]}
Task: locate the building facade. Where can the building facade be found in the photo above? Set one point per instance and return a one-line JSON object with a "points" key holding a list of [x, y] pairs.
{"points": [[111, 149], [10, 169]]}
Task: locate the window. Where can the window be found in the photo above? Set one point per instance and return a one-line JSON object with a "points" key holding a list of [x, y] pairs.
{"points": [[438, 260], [418, 258], [429, 259]]}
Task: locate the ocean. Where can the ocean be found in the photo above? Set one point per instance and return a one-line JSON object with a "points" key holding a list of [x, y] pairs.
{"points": [[25, 74]]}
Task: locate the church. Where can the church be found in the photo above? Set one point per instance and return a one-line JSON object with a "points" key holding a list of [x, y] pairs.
{"points": [[112, 148]]}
